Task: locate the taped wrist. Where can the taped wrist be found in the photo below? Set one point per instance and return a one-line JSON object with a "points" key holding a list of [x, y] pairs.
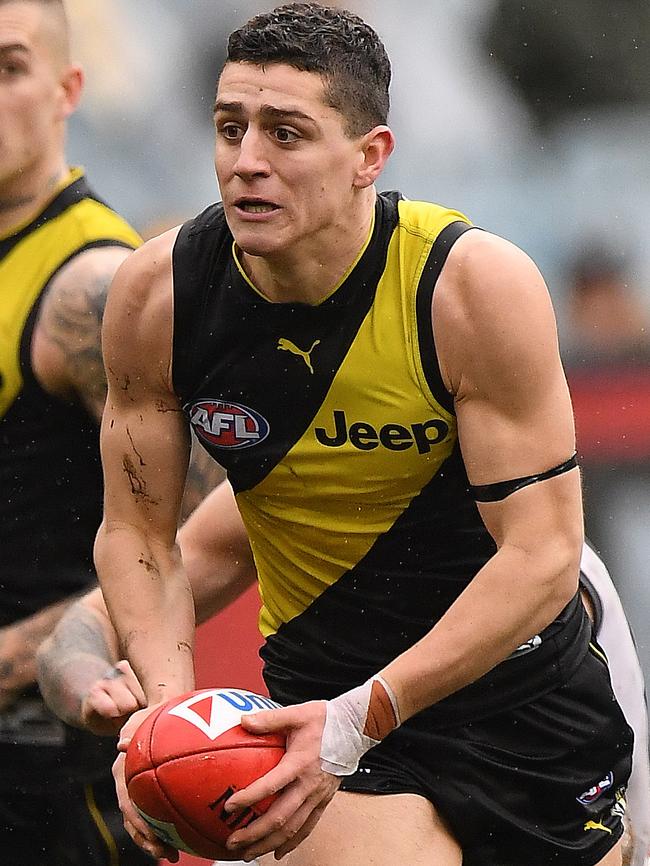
{"points": [[356, 721]]}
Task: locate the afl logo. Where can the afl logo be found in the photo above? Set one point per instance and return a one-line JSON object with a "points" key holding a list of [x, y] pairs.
{"points": [[588, 797], [227, 425]]}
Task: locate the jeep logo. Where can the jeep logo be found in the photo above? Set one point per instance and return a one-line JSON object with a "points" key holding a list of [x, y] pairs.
{"points": [[395, 437]]}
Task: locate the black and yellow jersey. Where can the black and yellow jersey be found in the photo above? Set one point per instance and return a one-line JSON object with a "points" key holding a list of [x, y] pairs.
{"points": [[340, 442], [50, 473]]}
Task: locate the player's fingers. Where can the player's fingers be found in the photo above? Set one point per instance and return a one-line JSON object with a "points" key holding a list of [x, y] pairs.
{"points": [[131, 726], [124, 701], [132, 682], [282, 719], [287, 834], [98, 702], [135, 825], [288, 812], [277, 779], [100, 725]]}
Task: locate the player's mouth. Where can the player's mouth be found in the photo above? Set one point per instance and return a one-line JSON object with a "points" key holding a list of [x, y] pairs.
{"points": [[255, 207]]}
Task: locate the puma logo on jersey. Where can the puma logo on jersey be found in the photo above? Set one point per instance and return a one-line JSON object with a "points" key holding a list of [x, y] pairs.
{"points": [[287, 346], [394, 437]]}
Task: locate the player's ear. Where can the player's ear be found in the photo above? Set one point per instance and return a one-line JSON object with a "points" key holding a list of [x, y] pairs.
{"points": [[375, 147], [71, 84]]}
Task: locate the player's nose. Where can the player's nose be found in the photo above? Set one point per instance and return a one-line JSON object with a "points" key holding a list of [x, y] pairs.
{"points": [[252, 158]]}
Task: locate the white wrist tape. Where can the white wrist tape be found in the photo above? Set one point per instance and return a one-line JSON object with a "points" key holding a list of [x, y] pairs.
{"points": [[356, 721]]}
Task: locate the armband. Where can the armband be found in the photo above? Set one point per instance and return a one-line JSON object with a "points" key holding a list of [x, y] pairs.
{"points": [[501, 489], [356, 721]]}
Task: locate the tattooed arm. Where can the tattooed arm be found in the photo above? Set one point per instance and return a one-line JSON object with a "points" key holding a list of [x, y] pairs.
{"points": [[67, 347], [67, 350], [78, 652], [18, 644], [74, 662], [66, 357], [79, 674]]}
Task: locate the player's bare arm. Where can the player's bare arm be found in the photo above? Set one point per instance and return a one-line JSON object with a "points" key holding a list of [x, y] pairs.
{"points": [[66, 350], [497, 344], [19, 643], [79, 652], [81, 674], [145, 450], [203, 475], [498, 351]]}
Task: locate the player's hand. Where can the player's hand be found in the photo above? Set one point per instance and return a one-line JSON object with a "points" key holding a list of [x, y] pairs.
{"points": [[304, 788], [110, 701], [135, 825]]}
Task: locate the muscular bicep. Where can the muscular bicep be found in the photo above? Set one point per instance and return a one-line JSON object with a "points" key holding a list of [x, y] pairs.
{"points": [[66, 347], [496, 336]]}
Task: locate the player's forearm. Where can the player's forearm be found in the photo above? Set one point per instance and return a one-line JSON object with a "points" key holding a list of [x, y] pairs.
{"points": [[77, 653], [19, 643], [150, 604], [514, 596]]}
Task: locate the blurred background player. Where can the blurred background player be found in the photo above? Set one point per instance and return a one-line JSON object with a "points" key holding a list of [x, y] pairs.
{"points": [[59, 248], [84, 681]]}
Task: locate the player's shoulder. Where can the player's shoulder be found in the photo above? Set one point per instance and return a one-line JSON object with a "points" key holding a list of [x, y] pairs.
{"points": [[147, 269], [485, 272]]}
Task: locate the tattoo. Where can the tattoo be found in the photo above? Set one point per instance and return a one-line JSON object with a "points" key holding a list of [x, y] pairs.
{"points": [[19, 643], [78, 645], [71, 320]]}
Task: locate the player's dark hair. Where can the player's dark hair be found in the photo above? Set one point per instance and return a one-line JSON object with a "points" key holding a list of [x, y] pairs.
{"points": [[335, 43]]}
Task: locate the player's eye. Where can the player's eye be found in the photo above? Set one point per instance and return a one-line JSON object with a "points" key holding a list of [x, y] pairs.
{"points": [[231, 131], [285, 135], [9, 69]]}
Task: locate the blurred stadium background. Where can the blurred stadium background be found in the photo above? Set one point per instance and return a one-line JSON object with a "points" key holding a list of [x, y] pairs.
{"points": [[533, 118]]}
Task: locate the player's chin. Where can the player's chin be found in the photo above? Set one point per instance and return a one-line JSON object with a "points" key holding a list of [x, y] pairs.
{"points": [[258, 243]]}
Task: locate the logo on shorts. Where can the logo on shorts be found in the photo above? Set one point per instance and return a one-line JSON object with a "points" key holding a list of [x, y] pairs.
{"points": [[528, 647], [597, 825], [596, 791], [227, 425]]}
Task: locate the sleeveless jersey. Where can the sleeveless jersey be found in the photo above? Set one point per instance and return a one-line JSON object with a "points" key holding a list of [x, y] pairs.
{"points": [[340, 442], [50, 473]]}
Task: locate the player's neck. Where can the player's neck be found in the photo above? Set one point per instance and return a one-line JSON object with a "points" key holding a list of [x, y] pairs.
{"points": [[23, 198], [314, 268]]}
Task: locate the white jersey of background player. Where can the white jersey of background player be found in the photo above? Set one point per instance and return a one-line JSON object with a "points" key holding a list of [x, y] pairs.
{"points": [[612, 632]]}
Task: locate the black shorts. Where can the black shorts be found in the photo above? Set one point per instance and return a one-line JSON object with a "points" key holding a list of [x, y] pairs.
{"points": [[542, 784], [57, 796]]}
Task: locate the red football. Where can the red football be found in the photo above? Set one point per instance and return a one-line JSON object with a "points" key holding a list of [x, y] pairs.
{"points": [[188, 757]]}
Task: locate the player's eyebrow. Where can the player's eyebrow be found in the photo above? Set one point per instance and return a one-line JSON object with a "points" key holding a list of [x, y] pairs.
{"points": [[8, 47], [268, 111]]}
